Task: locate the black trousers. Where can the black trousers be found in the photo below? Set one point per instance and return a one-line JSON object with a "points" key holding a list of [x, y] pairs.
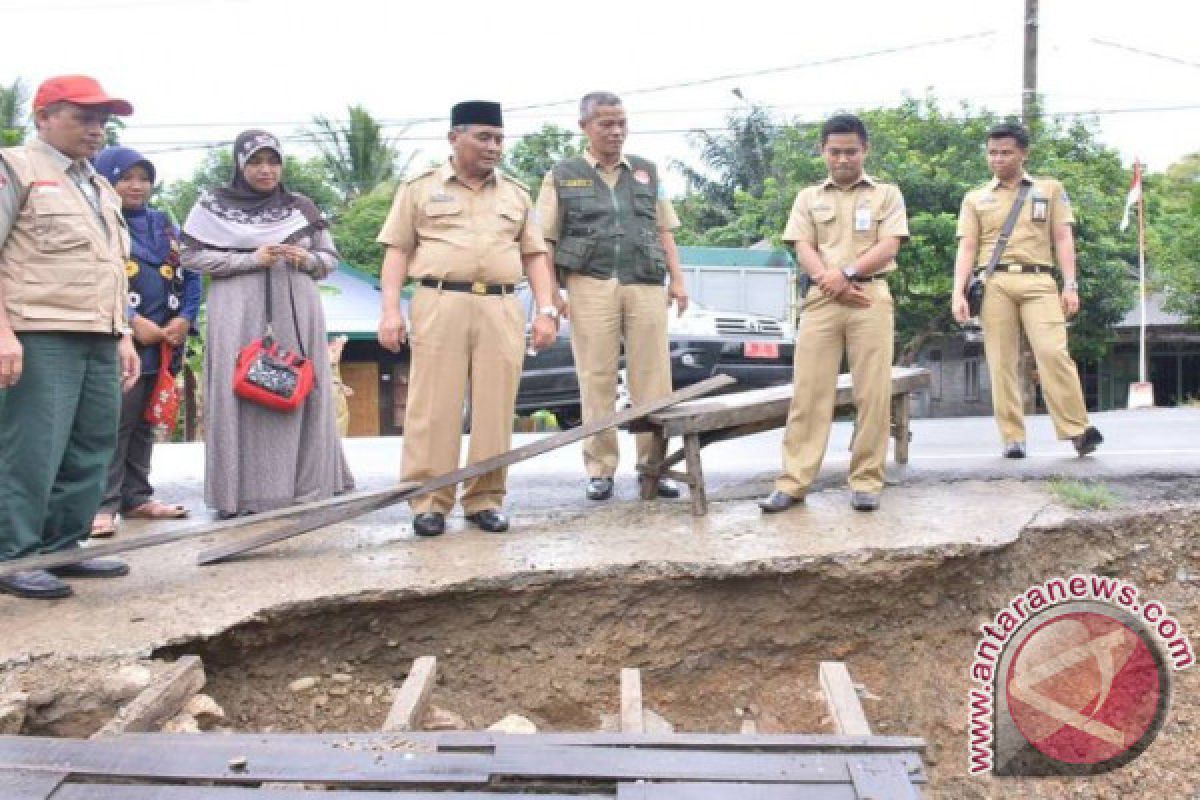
{"points": [[128, 484]]}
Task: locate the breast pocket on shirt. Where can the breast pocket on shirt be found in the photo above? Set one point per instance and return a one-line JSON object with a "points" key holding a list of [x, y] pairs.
{"points": [[448, 214], [509, 221], [824, 219]]}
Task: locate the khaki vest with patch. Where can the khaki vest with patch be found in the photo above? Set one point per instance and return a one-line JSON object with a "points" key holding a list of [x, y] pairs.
{"points": [[59, 270]]}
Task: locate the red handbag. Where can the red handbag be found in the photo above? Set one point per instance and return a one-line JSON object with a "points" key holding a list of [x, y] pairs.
{"points": [[162, 407], [278, 379]]}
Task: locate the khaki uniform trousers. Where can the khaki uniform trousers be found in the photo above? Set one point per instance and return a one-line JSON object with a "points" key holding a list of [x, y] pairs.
{"points": [[603, 313], [828, 329], [458, 338], [1016, 301]]}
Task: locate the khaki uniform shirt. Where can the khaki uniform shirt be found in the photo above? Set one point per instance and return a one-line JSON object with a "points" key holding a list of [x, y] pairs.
{"points": [[547, 203], [842, 224], [985, 209], [453, 232]]}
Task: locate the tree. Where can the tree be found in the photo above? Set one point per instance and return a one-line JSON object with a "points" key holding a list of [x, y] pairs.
{"points": [[14, 124], [1173, 235], [935, 158], [358, 225], [356, 154], [308, 178], [533, 155], [738, 160]]}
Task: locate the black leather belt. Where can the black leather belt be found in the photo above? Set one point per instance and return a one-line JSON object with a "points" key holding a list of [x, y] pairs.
{"points": [[475, 287], [876, 276], [1024, 268]]}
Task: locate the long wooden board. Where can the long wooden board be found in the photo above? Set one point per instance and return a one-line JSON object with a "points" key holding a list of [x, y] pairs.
{"points": [[523, 453], [95, 791], [324, 512]]}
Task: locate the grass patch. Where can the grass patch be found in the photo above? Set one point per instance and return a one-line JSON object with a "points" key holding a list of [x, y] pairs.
{"points": [[1083, 494]]}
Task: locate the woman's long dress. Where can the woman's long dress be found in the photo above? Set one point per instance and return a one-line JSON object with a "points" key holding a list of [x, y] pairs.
{"points": [[257, 459]]}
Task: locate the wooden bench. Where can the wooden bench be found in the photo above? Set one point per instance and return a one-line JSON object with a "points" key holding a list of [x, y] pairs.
{"points": [[716, 419]]}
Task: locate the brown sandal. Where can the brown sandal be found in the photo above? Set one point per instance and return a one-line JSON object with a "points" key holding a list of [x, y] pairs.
{"points": [[104, 526], [156, 510]]}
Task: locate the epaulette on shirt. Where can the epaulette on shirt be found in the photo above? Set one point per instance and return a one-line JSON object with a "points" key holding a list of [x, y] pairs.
{"points": [[513, 180], [422, 174]]}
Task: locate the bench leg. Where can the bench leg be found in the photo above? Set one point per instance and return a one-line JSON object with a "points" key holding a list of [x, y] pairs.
{"points": [[652, 472], [695, 471], [900, 427]]}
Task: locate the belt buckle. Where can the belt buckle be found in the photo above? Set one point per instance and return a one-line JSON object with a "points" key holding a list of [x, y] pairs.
{"points": [[1015, 268], [479, 287]]}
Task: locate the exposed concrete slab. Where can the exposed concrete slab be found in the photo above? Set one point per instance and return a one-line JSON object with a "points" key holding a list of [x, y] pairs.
{"points": [[168, 598], [957, 494]]}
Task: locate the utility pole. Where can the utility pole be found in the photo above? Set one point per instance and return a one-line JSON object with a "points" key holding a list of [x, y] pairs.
{"points": [[1029, 83]]}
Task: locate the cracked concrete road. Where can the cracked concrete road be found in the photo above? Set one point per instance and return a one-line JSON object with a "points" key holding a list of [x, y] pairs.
{"points": [[168, 598]]}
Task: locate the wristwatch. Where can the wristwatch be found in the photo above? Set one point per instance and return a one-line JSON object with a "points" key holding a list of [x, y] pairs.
{"points": [[1071, 286], [849, 272], [548, 311]]}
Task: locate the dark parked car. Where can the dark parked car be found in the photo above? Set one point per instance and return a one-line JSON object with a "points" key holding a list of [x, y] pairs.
{"points": [[753, 348]]}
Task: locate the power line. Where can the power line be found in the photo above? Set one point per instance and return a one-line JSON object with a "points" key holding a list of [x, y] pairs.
{"points": [[1147, 53]]}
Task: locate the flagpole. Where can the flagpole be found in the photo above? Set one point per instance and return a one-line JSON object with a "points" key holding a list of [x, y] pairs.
{"points": [[1141, 209]]}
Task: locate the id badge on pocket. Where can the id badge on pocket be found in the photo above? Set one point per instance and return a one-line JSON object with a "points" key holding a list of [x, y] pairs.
{"points": [[1041, 209], [862, 219]]}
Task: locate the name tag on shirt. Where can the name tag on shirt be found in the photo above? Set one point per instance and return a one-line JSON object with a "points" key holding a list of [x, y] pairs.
{"points": [[1041, 209], [46, 187], [862, 219]]}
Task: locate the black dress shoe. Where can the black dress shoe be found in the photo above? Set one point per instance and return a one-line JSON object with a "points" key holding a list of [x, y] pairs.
{"points": [[35, 583], [1014, 450], [490, 520], [668, 489], [864, 501], [93, 568], [1086, 442], [599, 488], [431, 523], [778, 501]]}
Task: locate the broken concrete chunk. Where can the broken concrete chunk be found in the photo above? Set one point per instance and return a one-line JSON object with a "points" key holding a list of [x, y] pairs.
{"points": [[513, 723], [303, 684], [341, 677], [205, 710], [12, 711], [127, 682], [439, 719], [656, 723]]}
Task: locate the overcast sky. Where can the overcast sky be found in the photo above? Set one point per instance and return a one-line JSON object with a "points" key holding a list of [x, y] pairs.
{"points": [[198, 72]]}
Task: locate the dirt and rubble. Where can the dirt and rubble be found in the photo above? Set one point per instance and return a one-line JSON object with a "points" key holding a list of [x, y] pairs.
{"points": [[716, 641]]}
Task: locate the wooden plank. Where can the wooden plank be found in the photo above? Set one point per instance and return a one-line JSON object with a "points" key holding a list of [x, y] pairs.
{"points": [[537, 448], [409, 706], [165, 697], [24, 784], [451, 741], [96, 791], [842, 699], [363, 378], [145, 757], [621, 763], [633, 719], [695, 471], [321, 513], [740, 791]]}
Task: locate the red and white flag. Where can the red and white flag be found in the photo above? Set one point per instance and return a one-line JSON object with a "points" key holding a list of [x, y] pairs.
{"points": [[1135, 194]]}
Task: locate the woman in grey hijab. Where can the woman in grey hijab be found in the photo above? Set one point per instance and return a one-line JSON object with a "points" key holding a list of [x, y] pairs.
{"points": [[244, 236]]}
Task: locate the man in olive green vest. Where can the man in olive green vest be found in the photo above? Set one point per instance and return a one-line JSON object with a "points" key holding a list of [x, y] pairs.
{"points": [[609, 221], [65, 348]]}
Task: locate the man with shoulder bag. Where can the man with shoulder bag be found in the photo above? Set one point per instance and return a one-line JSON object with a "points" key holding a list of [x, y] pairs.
{"points": [[1013, 229]]}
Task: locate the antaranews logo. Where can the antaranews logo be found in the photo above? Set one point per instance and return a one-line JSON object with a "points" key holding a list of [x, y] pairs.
{"points": [[1072, 677]]}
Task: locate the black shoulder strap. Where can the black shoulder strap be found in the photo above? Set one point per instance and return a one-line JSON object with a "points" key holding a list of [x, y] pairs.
{"points": [[1007, 230]]}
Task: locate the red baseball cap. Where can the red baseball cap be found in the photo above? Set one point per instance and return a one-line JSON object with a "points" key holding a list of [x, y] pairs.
{"points": [[81, 90]]}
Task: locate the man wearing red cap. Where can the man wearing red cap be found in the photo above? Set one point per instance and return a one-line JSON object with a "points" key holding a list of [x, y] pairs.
{"points": [[65, 347]]}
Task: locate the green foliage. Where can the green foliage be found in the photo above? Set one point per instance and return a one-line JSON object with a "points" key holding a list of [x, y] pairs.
{"points": [[1086, 495], [113, 130], [533, 155], [1173, 235], [935, 157], [355, 230], [356, 154], [309, 178], [14, 124]]}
